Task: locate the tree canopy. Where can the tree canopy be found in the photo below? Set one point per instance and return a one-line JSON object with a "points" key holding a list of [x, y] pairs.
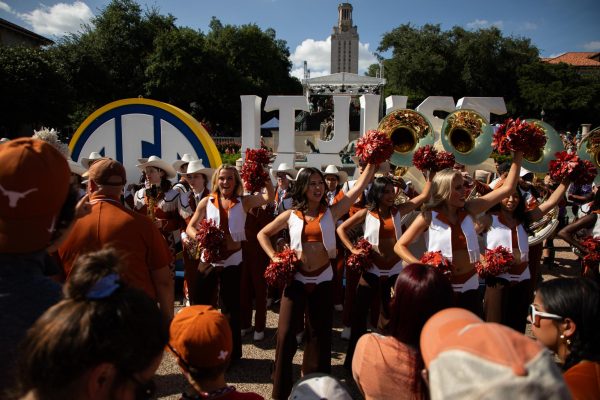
{"points": [[427, 61], [129, 52]]}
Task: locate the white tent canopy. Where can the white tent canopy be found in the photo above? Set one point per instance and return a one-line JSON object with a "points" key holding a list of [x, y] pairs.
{"points": [[342, 83]]}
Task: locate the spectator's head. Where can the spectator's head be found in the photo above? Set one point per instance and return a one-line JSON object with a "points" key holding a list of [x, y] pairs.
{"points": [[227, 181], [37, 201], [565, 317], [104, 340], [467, 358], [503, 168], [319, 386], [420, 292], [106, 176], [200, 338]]}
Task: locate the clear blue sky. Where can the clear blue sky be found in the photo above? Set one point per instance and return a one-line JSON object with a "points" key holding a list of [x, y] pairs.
{"points": [[554, 26]]}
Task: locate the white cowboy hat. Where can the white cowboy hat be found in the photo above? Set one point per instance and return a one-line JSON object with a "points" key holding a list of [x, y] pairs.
{"points": [[284, 167], [4, 140], [154, 161], [186, 158], [76, 168], [333, 170], [195, 166], [94, 155]]}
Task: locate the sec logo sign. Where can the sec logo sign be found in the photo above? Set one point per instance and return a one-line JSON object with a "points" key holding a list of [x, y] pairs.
{"points": [[129, 129]]}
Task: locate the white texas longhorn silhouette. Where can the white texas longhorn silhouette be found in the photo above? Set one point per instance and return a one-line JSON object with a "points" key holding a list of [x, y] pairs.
{"points": [[14, 197]]}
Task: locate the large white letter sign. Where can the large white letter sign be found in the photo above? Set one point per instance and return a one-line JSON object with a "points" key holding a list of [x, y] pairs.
{"points": [[483, 105], [435, 103], [129, 129], [393, 103], [369, 112], [329, 149], [250, 123], [287, 106]]}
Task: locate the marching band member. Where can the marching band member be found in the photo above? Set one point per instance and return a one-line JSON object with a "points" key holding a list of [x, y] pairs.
{"points": [[311, 224], [197, 176], [382, 227], [508, 295], [183, 186], [227, 207], [448, 225], [162, 204]]}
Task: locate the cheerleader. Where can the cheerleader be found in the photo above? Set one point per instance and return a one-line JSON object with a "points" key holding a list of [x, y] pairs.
{"points": [[227, 207], [448, 226], [382, 227], [311, 224], [507, 296]]}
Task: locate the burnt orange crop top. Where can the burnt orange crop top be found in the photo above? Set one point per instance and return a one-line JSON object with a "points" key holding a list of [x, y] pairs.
{"points": [[311, 232], [459, 241], [386, 228]]}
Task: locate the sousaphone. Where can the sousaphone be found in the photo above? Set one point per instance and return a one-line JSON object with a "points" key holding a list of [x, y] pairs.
{"points": [[468, 135], [540, 163], [408, 130], [589, 149]]}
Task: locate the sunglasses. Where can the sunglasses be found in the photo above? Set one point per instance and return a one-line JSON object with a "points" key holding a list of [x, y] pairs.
{"points": [[535, 316], [144, 390]]}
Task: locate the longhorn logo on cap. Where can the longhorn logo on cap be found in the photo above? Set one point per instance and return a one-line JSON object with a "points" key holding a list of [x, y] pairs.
{"points": [[14, 197]]}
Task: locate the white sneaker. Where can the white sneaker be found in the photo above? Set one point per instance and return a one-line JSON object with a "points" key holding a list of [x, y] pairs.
{"points": [[338, 307], [346, 333], [246, 331], [299, 337], [258, 336]]}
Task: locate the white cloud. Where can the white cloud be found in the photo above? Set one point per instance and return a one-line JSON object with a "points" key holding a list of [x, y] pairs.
{"points": [[59, 19], [529, 26], [317, 53], [554, 55], [592, 46], [5, 7], [484, 23]]}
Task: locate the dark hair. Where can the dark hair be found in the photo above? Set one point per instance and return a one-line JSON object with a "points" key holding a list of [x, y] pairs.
{"points": [[376, 192], [503, 167], [298, 191], [520, 212], [579, 300], [124, 328], [420, 291]]}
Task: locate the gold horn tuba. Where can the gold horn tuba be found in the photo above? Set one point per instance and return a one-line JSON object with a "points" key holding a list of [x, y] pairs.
{"points": [[467, 135], [408, 130], [554, 144], [589, 149]]}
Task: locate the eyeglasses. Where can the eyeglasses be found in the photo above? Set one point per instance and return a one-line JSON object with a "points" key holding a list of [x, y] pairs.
{"points": [[144, 390], [535, 316]]}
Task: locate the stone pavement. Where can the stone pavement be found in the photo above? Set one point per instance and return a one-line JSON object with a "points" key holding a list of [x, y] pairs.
{"points": [[252, 373]]}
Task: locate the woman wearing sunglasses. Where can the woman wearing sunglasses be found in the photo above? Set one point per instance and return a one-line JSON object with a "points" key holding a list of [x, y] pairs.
{"points": [[103, 341], [565, 317]]}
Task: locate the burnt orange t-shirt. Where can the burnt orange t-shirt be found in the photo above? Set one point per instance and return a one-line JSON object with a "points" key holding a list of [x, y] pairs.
{"points": [[133, 235], [583, 380]]}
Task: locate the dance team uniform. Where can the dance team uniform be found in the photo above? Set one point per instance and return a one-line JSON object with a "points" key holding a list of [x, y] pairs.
{"points": [[507, 301], [379, 280], [310, 292]]}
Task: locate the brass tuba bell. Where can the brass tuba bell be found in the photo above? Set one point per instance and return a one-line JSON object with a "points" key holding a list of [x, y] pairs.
{"points": [[467, 135], [408, 130], [554, 144], [589, 149]]}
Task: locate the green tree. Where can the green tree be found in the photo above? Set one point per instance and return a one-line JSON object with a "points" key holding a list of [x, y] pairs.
{"points": [[567, 96], [33, 92]]}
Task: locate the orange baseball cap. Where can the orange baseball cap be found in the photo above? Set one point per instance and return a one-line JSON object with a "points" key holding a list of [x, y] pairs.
{"points": [[469, 358], [107, 172], [34, 184], [200, 337]]}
